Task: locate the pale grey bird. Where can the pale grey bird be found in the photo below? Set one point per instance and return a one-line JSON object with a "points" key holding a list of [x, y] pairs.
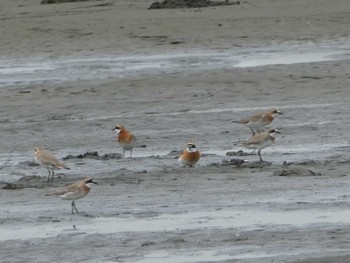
{"points": [[47, 159]]}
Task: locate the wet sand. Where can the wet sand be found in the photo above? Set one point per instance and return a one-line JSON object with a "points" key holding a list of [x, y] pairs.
{"points": [[72, 71]]}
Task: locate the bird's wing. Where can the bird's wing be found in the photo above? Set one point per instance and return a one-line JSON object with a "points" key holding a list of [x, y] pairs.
{"points": [[76, 194], [68, 189], [256, 139], [48, 158], [131, 138], [253, 118], [256, 117]]}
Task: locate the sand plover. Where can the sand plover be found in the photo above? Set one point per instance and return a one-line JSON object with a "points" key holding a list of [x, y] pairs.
{"points": [[75, 191], [261, 140], [47, 159], [125, 138], [190, 155], [258, 120]]}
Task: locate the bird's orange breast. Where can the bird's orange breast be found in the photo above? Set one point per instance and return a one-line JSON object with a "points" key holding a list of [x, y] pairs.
{"points": [[125, 137], [190, 157]]}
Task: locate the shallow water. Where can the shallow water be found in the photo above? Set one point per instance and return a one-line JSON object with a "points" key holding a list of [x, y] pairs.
{"points": [[211, 219], [41, 70], [219, 255]]}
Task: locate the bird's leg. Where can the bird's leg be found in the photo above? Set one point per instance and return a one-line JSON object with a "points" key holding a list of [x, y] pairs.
{"points": [[261, 160], [124, 153], [130, 153], [74, 207], [53, 174], [48, 177], [252, 131]]}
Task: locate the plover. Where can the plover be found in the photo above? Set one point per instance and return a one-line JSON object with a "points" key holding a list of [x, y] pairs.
{"points": [[125, 138], [190, 155], [47, 159], [261, 140], [75, 191], [258, 120]]}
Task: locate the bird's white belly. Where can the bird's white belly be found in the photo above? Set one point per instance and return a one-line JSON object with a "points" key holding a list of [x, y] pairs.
{"points": [[73, 195]]}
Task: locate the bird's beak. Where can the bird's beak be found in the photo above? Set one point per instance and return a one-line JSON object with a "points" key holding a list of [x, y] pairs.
{"points": [[280, 112]]}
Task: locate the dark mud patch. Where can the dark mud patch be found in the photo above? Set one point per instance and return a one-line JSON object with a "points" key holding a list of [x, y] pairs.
{"points": [[44, 2], [28, 164], [304, 163], [190, 4], [95, 156], [28, 182], [238, 153], [241, 163], [234, 162], [295, 171], [173, 154]]}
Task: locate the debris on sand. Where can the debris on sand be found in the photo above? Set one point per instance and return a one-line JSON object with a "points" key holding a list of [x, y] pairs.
{"points": [[44, 2], [190, 4], [27, 182], [295, 171], [95, 156], [174, 154], [238, 153], [235, 161]]}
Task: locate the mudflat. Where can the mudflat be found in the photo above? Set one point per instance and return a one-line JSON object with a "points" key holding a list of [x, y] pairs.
{"points": [[70, 72]]}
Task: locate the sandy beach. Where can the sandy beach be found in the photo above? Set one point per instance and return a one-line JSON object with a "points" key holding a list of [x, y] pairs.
{"points": [[70, 72]]}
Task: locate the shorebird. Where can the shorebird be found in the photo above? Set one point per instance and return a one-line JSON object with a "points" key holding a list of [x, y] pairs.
{"points": [[47, 159], [75, 191], [125, 138], [190, 155], [261, 140], [258, 120]]}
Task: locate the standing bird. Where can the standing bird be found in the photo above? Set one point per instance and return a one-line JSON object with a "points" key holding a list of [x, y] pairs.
{"points": [[190, 155], [258, 120], [261, 140], [126, 139], [75, 191], [47, 159]]}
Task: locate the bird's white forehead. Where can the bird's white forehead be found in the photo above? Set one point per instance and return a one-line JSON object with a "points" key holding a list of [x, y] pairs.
{"points": [[191, 150]]}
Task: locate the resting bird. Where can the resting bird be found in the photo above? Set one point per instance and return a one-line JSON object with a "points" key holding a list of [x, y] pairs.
{"points": [[126, 139], [190, 155]]}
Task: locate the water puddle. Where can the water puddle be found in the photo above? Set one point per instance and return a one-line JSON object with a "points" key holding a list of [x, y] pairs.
{"points": [[207, 111], [285, 58], [222, 254], [37, 70], [218, 219], [184, 256]]}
